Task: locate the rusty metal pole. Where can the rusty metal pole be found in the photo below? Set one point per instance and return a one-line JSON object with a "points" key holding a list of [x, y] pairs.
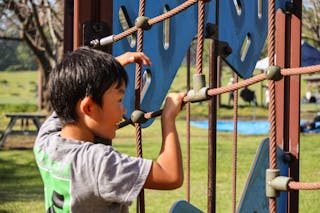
{"points": [[76, 23], [212, 136], [188, 107], [68, 26], [95, 12], [288, 44], [212, 126], [293, 139]]}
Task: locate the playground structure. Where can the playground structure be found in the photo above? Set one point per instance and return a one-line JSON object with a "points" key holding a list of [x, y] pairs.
{"points": [[236, 39]]}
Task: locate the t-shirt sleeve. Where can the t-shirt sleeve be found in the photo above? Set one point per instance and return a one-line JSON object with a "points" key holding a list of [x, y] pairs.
{"points": [[121, 177], [52, 125]]}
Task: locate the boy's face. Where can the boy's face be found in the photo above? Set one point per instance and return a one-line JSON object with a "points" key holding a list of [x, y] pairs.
{"points": [[111, 112]]}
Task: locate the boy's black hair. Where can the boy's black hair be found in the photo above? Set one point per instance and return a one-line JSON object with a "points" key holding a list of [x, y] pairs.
{"points": [[84, 72]]}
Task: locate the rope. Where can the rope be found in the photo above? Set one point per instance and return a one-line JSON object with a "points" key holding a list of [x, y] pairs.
{"points": [[272, 105], [138, 86], [172, 12], [138, 81], [300, 70], [235, 86], [271, 54], [201, 13], [303, 186], [217, 91], [157, 19]]}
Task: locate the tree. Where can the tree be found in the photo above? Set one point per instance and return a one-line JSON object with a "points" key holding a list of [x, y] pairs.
{"points": [[311, 22], [16, 56], [39, 23], [9, 57]]}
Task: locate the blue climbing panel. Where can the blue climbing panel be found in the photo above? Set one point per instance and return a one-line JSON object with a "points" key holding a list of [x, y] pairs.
{"points": [[242, 24], [254, 194], [183, 206]]}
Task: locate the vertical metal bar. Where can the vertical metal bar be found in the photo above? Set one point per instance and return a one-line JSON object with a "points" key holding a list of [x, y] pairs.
{"points": [[188, 131], [212, 136], [235, 146], [294, 110], [280, 93], [68, 26], [84, 11], [288, 107], [106, 16], [279, 85], [212, 131], [76, 23]]}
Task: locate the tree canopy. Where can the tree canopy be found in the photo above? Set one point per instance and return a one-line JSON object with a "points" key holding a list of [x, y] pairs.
{"points": [[39, 23], [311, 22]]}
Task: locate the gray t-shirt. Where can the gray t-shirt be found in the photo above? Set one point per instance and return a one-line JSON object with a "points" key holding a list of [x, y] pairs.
{"points": [[86, 177]]}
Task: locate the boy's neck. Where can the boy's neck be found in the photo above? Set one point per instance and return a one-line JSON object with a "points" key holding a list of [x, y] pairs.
{"points": [[77, 132]]}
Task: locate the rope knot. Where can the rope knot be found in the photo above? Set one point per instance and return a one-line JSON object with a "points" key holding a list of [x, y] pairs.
{"points": [[137, 116], [142, 22], [274, 73]]}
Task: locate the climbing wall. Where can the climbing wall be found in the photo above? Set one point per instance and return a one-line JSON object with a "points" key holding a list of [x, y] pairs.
{"points": [[242, 28]]}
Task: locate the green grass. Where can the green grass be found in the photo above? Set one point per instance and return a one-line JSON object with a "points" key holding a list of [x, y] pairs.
{"points": [[18, 87], [21, 188], [21, 185]]}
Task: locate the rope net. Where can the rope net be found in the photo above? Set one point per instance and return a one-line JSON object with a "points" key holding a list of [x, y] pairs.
{"points": [[211, 92]]}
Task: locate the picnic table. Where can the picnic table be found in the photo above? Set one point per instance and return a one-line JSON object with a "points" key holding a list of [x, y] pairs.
{"points": [[24, 125]]}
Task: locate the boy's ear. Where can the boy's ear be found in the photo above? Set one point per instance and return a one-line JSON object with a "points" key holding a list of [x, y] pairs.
{"points": [[86, 105]]}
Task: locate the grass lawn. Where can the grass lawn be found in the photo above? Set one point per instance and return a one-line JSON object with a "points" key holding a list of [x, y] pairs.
{"points": [[21, 185], [18, 87]]}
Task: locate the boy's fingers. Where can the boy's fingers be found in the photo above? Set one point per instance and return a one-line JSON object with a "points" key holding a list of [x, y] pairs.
{"points": [[140, 58], [183, 103], [131, 59]]}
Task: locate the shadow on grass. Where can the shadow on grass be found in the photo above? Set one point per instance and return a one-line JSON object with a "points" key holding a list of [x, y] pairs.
{"points": [[19, 177]]}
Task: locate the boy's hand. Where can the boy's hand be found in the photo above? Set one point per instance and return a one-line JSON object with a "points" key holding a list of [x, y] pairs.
{"points": [[134, 57], [173, 105]]}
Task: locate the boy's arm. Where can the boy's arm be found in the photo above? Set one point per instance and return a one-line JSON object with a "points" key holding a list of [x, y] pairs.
{"points": [[167, 171], [52, 125]]}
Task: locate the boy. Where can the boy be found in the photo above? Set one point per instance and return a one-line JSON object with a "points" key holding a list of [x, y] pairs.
{"points": [[86, 91]]}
